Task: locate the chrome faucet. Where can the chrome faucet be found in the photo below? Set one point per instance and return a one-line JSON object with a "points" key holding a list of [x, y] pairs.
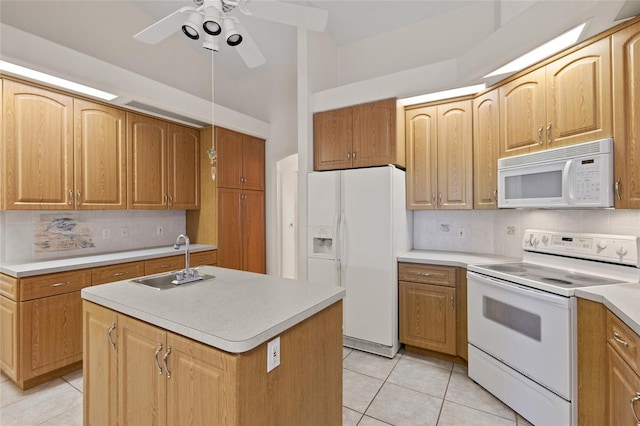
{"points": [[187, 274]]}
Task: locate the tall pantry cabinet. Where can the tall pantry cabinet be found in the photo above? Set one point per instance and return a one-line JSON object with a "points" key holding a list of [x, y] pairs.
{"points": [[241, 213]]}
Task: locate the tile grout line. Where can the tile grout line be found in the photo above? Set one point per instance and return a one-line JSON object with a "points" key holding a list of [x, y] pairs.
{"points": [[444, 396]]}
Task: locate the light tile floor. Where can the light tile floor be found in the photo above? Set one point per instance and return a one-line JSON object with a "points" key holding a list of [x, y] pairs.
{"points": [[406, 390]]}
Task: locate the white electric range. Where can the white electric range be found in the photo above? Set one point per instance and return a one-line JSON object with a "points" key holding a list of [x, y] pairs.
{"points": [[522, 318]]}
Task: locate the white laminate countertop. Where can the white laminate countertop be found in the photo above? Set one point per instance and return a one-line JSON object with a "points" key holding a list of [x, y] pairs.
{"points": [[621, 299], [22, 270], [235, 312], [452, 258]]}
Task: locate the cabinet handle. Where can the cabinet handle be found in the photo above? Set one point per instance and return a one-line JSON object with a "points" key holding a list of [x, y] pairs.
{"points": [[59, 284], [78, 198], [164, 361], [70, 197], [617, 188], [423, 274], [633, 410], [353, 155], [495, 195], [170, 199], [433, 198], [155, 357], [440, 199], [119, 274], [540, 134], [166, 199], [113, 327], [348, 156], [452, 302], [549, 133], [617, 338]]}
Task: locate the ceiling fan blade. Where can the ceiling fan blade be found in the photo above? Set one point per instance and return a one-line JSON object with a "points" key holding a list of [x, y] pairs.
{"points": [[162, 29], [287, 13], [249, 50]]}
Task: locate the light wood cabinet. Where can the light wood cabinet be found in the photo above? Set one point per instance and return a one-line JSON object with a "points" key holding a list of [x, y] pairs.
{"points": [[626, 111], [112, 273], [138, 373], [566, 102], [100, 172], [163, 164], [241, 240], [433, 309], [486, 144], [360, 136], [240, 160], [439, 156], [241, 210], [38, 148]]}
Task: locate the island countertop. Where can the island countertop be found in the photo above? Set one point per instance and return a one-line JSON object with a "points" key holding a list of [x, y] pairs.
{"points": [[234, 312]]}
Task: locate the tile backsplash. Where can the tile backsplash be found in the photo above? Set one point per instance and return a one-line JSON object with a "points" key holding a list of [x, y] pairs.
{"points": [[29, 236], [501, 231]]}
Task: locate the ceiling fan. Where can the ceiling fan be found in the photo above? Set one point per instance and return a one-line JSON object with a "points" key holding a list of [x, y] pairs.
{"points": [[210, 20]]}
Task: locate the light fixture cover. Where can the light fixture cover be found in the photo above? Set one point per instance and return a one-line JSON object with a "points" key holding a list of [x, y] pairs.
{"points": [[231, 34], [211, 23], [191, 26]]}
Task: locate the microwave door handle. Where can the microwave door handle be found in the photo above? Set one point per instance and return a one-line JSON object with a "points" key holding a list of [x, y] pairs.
{"points": [[568, 183]]}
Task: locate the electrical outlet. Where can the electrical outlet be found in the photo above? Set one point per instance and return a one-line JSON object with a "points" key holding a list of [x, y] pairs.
{"points": [[106, 233], [461, 233], [273, 354], [124, 232], [159, 230]]}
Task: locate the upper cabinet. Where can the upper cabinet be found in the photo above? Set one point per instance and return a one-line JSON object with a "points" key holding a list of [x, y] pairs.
{"points": [[626, 110], [440, 158], [241, 159], [566, 102], [100, 172], [359, 136], [163, 164], [486, 134], [38, 148]]}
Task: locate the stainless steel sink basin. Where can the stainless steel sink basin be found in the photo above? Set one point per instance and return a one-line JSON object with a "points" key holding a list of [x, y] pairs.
{"points": [[165, 281]]}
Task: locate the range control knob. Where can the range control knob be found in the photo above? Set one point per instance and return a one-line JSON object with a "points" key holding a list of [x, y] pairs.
{"points": [[621, 251], [535, 242], [545, 240], [602, 244], [527, 239]]}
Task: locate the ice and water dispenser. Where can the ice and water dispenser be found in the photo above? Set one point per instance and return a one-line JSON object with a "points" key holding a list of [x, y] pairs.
{"points": [[322, 242]]}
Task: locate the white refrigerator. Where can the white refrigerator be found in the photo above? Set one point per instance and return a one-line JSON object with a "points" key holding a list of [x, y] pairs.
{"points": [[358, 225]]}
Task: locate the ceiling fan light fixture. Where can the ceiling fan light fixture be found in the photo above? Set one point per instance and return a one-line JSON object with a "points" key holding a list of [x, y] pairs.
{"points": [[211, 23], [211, 43], [231, 34], [191, 25]]}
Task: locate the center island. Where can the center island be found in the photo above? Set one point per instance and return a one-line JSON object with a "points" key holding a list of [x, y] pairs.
{"points": [[198, 353]]}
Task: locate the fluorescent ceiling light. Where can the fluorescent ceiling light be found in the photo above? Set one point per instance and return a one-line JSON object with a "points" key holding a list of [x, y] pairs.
{"points": [[46, 78], [549, 48], [445, 94]]}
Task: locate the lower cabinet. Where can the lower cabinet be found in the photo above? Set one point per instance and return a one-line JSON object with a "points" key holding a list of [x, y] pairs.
{"points": [[432, 309], [624, 392]]}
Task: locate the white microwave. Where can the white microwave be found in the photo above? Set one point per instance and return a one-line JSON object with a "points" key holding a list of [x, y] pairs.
{"points": [[575, 176]]}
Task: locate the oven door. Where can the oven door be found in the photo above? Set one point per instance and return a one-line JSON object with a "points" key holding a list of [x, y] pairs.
{"points": [[527, 329]]}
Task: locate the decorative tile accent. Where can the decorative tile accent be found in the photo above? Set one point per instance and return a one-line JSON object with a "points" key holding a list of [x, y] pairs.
{"points": [[61, 232]]}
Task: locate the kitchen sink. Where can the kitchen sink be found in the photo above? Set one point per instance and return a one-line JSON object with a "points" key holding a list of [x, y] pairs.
{"points": [[167, 280]]}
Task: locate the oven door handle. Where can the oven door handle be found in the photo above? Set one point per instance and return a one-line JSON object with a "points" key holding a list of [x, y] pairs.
{"points": [[519, 289]]}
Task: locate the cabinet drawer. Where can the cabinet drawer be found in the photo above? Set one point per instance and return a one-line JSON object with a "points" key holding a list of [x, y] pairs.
{"points": [[624, 340], [123, 271], [53, 284], [201, 258], [9, 287], [164, 264], [428, 274]]}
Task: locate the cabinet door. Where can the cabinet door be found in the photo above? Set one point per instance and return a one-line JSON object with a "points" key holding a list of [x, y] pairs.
{"points": [[374, 134], [51, 333], [422, 172], [579, 96], [183, 168], [332, 139], [229, 228], [146, 162], [99, 367], [229, 151], [38, 148], [428, 317], [201, 390], [100, 157], [486, 134], [253, 232], [624, 385], [523, 114], [252, 163], [9, 335], [141, 374], [455, 156], [626, 104]]}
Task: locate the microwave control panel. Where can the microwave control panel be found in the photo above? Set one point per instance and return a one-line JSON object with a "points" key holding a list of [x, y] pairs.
{"points": [[587, 184]]}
